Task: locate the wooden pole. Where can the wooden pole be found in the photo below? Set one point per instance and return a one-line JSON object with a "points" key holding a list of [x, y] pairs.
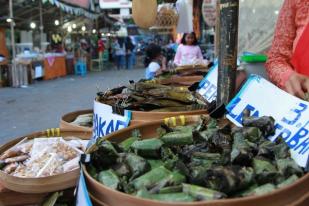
{"points": [[12, 24], [228, 37]]}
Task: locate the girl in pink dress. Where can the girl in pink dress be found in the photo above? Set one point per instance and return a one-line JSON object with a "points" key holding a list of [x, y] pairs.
{"points": [[188, 51]]}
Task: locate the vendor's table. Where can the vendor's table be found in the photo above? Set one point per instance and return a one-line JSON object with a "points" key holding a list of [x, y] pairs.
{"points": [[54, 66]]}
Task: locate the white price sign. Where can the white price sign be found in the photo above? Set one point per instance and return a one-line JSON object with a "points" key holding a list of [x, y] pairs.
{"points": [[263, 98], [208, 86], [105, 121]]}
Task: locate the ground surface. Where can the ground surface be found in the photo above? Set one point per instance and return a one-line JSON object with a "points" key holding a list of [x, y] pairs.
{"points": [[41, 105]]}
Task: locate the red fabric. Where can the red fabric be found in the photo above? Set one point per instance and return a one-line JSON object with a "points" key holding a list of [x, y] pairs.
{"points": [[292, 20], [101, 46], [300, 58]]}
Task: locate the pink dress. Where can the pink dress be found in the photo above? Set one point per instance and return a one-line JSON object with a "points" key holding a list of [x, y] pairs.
{"points": [[293, 19], [187, 55]]}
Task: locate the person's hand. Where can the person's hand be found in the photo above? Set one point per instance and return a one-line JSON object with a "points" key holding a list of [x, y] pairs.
{"points": [[297, 85]]}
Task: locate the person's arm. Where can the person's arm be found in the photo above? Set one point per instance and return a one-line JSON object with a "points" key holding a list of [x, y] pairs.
{"points": [[177, 59], [278, 65], [163, 62]]}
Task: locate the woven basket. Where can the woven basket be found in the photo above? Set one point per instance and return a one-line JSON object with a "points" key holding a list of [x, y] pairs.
{"points": [[167, 19], [144, 14]]}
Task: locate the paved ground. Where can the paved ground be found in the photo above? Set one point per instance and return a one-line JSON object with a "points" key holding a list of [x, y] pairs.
{"points": [[40, 106]]}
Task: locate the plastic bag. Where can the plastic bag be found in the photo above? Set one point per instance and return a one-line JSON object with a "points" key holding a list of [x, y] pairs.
{"points": [[185, 10], [71, 165], [257, 20]]}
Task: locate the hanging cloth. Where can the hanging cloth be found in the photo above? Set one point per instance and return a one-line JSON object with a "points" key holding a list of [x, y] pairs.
{"points": [[185, 10], [300, 58]]}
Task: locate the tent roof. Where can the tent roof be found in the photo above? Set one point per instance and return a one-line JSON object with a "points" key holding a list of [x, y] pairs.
{"points": [[26, 11]]}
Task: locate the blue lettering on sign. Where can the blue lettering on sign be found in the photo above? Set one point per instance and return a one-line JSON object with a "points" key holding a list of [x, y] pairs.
{"points": [[110, 127], [102, 128], [120, 124], [298, 113], [284, 133], [300, 140], [209, 90], [98, 126], [238, 117]]}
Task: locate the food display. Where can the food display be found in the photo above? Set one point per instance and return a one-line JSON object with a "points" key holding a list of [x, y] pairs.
{"points": [[188, 70], [209, 160], [42, 157], [84, 120], [147, 96]]}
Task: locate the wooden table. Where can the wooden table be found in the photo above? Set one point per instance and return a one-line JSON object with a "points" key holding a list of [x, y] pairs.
{"points": [[55, 67]]}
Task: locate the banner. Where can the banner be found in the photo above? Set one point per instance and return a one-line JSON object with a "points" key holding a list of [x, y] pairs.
{"points": [[263, 98], [72, 9], [82, 3], [115, 4], [209, 11], [106, 121]]}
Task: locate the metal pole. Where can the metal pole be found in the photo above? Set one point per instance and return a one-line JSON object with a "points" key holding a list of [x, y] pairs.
{"points": [[41, 25], [228, 37], [12, 24]]}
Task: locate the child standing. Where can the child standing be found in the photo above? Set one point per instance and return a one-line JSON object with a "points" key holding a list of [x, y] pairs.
{"points": [[188, 51], [155, 62]]}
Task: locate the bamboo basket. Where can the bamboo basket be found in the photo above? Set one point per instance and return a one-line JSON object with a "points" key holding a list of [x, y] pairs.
{"points": [[294, 194], [166, 21], [67, 119], [42, 184], [176, 80]]}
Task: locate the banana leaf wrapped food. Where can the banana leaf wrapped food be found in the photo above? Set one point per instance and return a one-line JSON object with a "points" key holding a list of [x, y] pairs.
{"points": [[148, 148], [109, 178], [206, 161], [147, 96]]}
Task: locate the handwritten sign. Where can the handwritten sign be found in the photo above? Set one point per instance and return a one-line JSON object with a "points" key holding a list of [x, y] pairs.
{"points": [[208, 86], [105, 121], [263, 98], [209, 12]]}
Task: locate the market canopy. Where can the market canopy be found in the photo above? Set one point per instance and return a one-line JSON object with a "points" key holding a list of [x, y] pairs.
{"points": [[76, 11]]}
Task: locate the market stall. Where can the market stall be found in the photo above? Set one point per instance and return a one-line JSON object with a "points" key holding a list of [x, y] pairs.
{"points": [[162, 142], [54, 66]]}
